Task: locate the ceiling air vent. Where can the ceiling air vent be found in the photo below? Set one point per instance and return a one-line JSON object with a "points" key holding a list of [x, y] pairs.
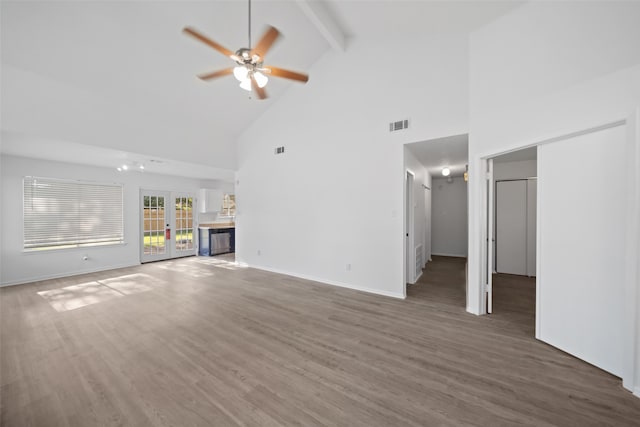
{"points": [[279, 150], [399, 125]]}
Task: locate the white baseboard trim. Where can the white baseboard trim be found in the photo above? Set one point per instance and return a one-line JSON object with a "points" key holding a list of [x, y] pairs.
{"points": [[636, 392], [66, 274], [452, 255], [416, 280], [325, 281], [471, 311]]}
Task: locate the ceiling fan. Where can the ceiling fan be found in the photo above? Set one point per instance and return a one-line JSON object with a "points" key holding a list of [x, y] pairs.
{"points": [[249, 70]]}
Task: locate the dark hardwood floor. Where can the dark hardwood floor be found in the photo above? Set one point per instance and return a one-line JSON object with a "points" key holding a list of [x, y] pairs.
{"points": [[200, 341]]}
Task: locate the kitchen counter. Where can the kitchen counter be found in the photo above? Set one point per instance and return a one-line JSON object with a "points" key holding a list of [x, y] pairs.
{"points": [[216, 226]]}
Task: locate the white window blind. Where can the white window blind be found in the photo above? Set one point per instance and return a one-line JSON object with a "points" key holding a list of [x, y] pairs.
{"points": [[60, 213]]}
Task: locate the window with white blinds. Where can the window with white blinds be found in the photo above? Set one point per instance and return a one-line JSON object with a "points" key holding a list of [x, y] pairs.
{"points": [[64, 214]]}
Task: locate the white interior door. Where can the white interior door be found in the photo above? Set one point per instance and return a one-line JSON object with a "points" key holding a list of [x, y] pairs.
{"points": [[166, 224], [511, 227], [490, 240], [582, 219]]}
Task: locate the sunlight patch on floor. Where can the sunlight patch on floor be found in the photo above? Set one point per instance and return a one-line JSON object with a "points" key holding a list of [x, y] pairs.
{"points": [[84, 294], [130, 284], [77, 296], [220, 263], [188, 270]]}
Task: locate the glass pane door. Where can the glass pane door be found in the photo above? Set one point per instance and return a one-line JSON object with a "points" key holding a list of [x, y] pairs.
{"points": [[154, 226], [184, 226], [166, 225]]}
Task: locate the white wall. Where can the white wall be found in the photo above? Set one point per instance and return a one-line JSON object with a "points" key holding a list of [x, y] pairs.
{"points": [[449, 217], [553, 54], [421, 208], [561, 76], [22, 267], [599, 92], [336, 196]]}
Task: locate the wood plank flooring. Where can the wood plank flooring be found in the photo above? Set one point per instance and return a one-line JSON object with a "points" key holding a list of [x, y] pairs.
{"points": [[213, 344]]}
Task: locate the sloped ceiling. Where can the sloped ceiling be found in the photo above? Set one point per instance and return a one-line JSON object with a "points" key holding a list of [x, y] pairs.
{"points": [[120, 76]]}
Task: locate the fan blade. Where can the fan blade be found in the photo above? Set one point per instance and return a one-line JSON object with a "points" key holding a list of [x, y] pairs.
{"points": [[262, 94], [286, 74], [215, 74], [206, 40], [265, 43]]}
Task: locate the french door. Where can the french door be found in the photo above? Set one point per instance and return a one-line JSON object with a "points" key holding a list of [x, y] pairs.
{"points": [[166, 225]]}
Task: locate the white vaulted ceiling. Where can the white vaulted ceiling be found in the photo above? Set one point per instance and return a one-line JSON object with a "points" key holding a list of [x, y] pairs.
{"points": [[120, 75], [413, 17]]}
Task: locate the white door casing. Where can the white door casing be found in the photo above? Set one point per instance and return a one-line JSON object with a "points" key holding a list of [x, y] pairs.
{"points": [[489, 245], [532, 219], [409, 228]]}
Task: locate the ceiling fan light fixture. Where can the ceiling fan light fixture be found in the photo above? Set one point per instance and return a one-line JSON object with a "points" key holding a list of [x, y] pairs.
{"points": [[246, 85], [261, 79], [249, 70], [241, 73]]}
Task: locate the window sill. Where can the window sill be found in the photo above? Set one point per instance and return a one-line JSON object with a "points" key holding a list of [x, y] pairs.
{"points": [[70, 248]]}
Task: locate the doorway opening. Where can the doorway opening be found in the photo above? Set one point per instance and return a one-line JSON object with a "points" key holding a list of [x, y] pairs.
{"points": [[513, 217], [435, 210]]}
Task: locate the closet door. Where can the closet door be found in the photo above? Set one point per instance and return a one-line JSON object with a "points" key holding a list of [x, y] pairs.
{"points": [[511, 227]]}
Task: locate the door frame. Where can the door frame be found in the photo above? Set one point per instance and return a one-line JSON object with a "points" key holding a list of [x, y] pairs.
{"points": [[490, 241], [631, 332], [631, 352], [170, 218], [409, 229]]}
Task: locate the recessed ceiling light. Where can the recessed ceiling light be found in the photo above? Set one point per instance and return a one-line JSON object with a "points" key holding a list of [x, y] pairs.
{"points": [[446, 171]]}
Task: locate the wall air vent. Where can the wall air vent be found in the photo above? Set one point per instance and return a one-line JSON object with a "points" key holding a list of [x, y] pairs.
{"points": [[399, 125], [279, 150]]}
